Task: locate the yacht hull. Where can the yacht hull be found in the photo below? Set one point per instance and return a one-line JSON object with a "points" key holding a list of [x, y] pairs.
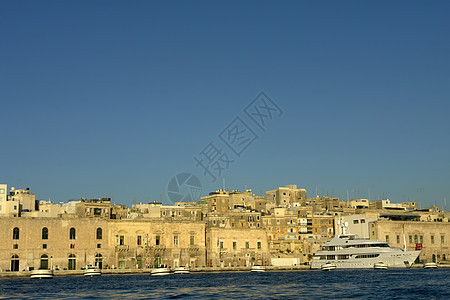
{"points": [[397, 259]]}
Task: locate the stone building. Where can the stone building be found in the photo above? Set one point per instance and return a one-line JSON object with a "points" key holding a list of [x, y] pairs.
{"points": [[139, 244], [26, 199], [285, 196], [71, 243], [8, 208], [234, 247], [30, 243], [433, 238]]}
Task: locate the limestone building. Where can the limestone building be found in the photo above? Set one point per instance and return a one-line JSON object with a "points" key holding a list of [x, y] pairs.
{"points": [[433, 238], [30, 243], [285, 196], [233, 247]]}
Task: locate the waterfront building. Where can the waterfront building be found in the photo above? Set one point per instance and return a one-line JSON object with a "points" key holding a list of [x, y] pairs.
{"points": [[433, 238], [71, 243], [236, 247]]}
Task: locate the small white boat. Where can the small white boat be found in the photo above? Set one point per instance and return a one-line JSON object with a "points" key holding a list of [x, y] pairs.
{"points": [[160, 271], [430, 265], [328, 267], [41, 274], [380, 266], [258, 269], [181, 270], [92, 271]]}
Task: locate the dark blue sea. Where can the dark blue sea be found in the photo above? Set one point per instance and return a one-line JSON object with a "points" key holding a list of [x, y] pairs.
{"points": [[342, 284]]}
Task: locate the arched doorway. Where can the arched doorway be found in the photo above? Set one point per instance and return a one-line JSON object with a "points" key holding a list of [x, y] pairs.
{"points": [[15, 263], [157, 261], [99, 261], [72, 262], [44, 262]]}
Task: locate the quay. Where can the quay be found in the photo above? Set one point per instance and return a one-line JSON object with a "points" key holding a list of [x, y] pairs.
{"points": [[147, 271], [108, 272]]}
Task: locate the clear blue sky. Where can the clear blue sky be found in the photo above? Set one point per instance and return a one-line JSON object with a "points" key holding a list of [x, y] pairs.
{"points": [[113, 98]]}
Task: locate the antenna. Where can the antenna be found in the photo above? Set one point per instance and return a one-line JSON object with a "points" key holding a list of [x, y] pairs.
{"points": [[223, 183]]}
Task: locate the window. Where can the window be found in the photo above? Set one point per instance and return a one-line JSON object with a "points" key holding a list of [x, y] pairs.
{"points": [[99, 233], [258, 245], [363, 221], [72, 262], [99, 246], [387, 238], [139, 240], [192, 240], [121, 240], [15, 246], [15, 233], [175, 240], [72, 246], [415, 239], [442, 239], [72, 233], [45, 233], [234, 245], [247, 245], [398, 239], [221, 245], [355, 221], [432, 239], [158, 240], [410, 239], [44, 246], [421, 239]]}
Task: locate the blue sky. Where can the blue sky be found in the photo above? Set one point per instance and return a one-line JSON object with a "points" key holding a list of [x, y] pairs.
{"points": [[114, 98]]}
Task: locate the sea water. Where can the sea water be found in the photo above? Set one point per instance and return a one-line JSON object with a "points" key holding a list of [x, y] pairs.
{"points": [[343, 284]]}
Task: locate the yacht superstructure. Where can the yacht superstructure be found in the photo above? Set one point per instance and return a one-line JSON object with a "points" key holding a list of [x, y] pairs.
{"points": [[348, 251]]}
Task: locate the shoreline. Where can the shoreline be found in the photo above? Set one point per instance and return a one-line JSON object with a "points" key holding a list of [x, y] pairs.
{"points": [[107, 272]]}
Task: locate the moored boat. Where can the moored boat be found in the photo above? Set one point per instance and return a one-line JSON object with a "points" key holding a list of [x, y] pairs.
{"points": [[258, 269], [160, 271], [92, 271], [380, 266], [430, 265], [351, 252], [181, 270], [328, 267], [41, 274]]}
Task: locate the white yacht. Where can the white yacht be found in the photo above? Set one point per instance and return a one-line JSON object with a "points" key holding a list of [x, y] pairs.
{"points": [[41, 274], [430, 265], [181, 270], [328, 267], [91, 271], [258, 269], [160, 271], [346, 251]]}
